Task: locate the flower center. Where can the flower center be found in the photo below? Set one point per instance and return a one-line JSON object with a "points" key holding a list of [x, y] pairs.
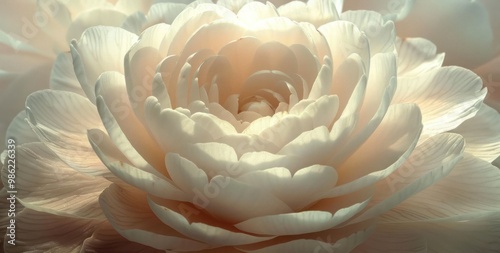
{"points": [[258, 105]]}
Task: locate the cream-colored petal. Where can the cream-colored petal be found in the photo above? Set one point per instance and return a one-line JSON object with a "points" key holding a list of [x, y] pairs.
{"points": [[217, 127], [351, 133], [112, 90], [306, 183], [118, 138], [208, 37], [106, 239], [396, 134], [254, 11], [316, 12], [275, 57], [223, 114], [151, 182], [308, 67], [212, 157], [446, 96], [381, 33], [430, 162], [160, 92], [482, 134], [345, 38], [397, 238], [63, 75], [251, 201], [181, 128], [46, 184], [468, 192], [342, 240], [140, 66], [310, 147], [163, 12], [287, 32], [219, 194], [20, 130], [130, 216], [299, 223], [417, 56], [406, 140], [323, 83], [187, 22], [186, 175], [61, 120], [240, 54], [282, 129], [478, 234], [100, 49], [383, 73], [348, 76], [233, 5], [200, 227], [43, 232], [260, 160]]}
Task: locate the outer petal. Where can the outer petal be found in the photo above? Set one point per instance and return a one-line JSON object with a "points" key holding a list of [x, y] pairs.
{"points": [[478, 234], [316, 12], [469, 191], [429, 163], [380, 32], [20, 130], [447, 97], [100, 49], [195, 225], [61, 120], [46, 184], [152, 182], [128, 212], [299, 223], [106, 239], [47, 232], [417, 56], [482, 134], [63, 75], [333, 240]]}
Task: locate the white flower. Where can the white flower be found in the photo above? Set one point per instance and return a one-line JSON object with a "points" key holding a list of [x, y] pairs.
{"points": [[240, 129]]}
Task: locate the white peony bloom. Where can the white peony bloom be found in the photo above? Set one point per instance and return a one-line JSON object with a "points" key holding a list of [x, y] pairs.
{"points": [[245, 127]]}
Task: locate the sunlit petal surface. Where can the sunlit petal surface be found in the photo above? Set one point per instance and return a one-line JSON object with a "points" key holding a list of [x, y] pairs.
{"points": [[242, 126]]}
